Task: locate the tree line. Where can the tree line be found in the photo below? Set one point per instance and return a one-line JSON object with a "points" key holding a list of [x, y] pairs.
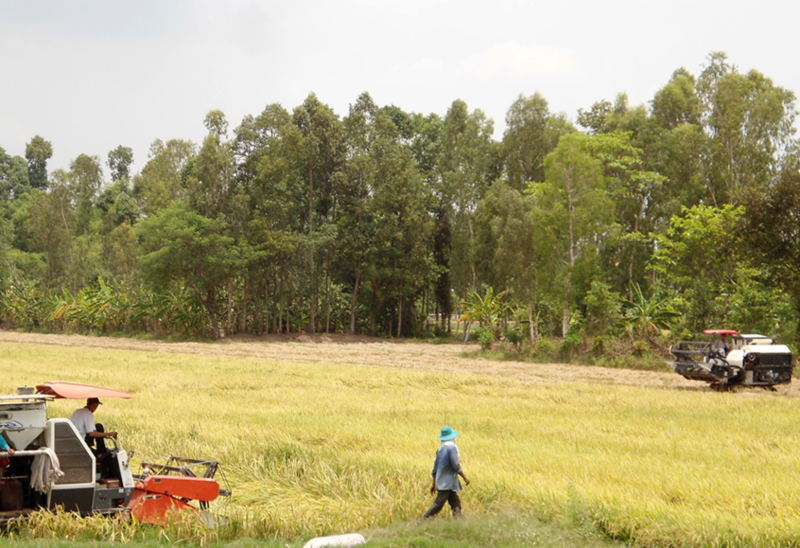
{"points": [[682, 213]]}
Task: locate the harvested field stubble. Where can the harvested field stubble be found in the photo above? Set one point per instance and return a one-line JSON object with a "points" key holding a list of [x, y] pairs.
{"points": [[320, 438]]}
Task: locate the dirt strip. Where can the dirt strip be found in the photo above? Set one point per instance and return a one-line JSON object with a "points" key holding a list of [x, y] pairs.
{"points": [[373, 352]]}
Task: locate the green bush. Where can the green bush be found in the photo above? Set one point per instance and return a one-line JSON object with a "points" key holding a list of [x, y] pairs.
{"points": [[640, 348], [598, 345], [486, 338], [513, 335], [570, 345], [544, 349]]}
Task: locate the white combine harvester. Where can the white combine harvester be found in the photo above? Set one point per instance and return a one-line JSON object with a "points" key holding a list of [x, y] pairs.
{"points": [[747, 360], [53, 466]]}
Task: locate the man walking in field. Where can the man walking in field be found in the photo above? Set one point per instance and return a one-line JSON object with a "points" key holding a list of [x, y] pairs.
{"points": [[446, 469]]}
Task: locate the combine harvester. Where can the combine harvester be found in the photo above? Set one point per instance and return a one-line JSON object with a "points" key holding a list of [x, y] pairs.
{"points": [[747, 360], [54, 467]]}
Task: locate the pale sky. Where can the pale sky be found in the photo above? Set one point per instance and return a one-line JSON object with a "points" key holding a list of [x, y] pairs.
{"points": [[93, 74]]}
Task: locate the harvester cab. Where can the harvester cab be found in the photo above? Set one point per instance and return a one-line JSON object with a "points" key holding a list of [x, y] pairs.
{"points": [[734, 359], [53, 467]]}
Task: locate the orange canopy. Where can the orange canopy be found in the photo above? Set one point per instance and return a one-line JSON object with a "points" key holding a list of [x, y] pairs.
{"points": [[77, 391]]}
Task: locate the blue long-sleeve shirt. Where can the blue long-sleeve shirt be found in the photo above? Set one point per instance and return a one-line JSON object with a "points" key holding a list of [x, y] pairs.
{"points": [[446, 467], [3, 444]]}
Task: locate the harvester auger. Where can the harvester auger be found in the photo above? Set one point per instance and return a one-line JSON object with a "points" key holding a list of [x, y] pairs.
{"points": [[162, 488]]}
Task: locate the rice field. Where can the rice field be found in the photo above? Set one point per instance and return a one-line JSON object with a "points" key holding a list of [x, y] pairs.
{"points": [[317, 446]]}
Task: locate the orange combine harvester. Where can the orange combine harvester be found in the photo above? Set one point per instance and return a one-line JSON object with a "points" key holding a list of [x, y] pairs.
{"points": [[54, 467]]}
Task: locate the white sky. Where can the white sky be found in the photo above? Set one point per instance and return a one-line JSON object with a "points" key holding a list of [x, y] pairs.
{"points": [[93, 74]]}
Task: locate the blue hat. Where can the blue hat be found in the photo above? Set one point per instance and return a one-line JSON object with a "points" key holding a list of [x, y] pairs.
{"points": [[447, 434]]}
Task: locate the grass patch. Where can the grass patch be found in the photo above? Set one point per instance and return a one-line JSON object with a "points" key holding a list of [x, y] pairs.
{"points": [[312, 449]]}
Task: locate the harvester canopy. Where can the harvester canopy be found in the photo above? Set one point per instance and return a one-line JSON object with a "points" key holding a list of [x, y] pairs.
{"points": [[77, 391]]}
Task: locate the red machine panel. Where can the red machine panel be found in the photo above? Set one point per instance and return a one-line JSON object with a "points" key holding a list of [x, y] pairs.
{"points": [[184, 487]]}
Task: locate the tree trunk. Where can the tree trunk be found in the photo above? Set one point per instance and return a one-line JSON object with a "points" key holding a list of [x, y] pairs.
{"points": [[328, 302], [374, 310], [243, 323], [399, 317], [212, 314], [531, 327], [353, 305], [312, 313], [229, 311]]}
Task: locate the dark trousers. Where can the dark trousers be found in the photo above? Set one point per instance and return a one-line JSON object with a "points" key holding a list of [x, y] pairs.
{"points": [[101, 453], [442, 497], [100, 448]]}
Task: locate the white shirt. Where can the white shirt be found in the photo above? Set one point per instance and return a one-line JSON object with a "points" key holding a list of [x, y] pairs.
{"points": [[83, 419]]}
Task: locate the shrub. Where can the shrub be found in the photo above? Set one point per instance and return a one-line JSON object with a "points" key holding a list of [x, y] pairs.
{"points": [[640, 348], [486, 338], [544, 349], [571, 343], [598, 345], [513, 335]]}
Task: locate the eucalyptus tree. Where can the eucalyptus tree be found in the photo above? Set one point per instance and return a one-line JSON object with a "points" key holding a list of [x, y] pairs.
{"points": [[515, 247], [466, 166], [403, 229], [319, 159], [119, 162], [631, 188], [161, 181], [37, 152], [677, 103], [426, 145], [357, 218], [750, 122], [86, 180], [51, 224], [210, 174], [773, 232], [532, 132], [683, 148], [215, 192], [13, 178], [268, 151], [575, 213]]}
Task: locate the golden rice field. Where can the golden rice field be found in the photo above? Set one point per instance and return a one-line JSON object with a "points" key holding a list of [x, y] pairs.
{"points": [[319, 438]]}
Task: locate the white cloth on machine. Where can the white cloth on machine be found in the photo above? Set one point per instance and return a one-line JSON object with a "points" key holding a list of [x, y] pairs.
{"points": [[45, 470]]}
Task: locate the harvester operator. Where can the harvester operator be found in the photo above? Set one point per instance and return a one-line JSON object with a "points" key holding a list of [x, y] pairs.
{"points": [[720, 347], [92, 432]]}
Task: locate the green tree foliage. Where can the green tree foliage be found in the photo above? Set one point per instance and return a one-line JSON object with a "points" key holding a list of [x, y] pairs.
{"points": [[119, 162], [698, 259], [532, 132], [319, 156], [185, 249], [677, 103], [385, 219], [37, 152], [751, 124], [577, 214], [85, 182], [13, 177], [161, 182], [773, 231], [467, 160]]}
